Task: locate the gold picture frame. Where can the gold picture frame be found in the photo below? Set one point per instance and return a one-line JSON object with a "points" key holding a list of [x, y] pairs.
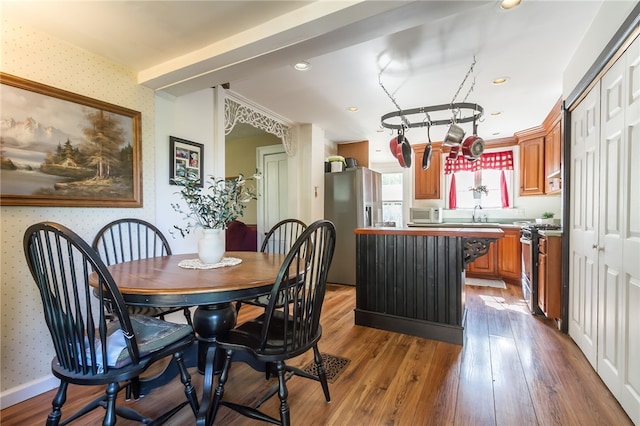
{"points": [[61, 149]]}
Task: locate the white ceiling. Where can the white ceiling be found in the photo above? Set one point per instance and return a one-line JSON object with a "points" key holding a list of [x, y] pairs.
{"points": [[419, 50]]}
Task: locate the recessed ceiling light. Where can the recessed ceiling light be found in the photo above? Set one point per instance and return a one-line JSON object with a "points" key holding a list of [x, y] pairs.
{"points": [[509, 4], [302, 66], [500, 80], [352, 109]]}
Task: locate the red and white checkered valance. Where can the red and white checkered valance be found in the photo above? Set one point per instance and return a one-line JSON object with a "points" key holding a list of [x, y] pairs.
{"points": [[502, 160]]}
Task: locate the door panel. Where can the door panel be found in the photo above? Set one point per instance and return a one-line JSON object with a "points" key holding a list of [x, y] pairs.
{"points": [[583, 277], [273, 193], [619, 237]]}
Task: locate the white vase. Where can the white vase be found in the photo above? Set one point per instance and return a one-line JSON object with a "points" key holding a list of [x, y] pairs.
{"points": [[211, 246]]}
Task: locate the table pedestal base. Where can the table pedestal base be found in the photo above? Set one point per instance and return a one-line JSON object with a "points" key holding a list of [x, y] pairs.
{"points": [[209, 322]]}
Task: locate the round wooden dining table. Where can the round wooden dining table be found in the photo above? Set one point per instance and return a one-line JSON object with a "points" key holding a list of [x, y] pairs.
{"points": [[161, 282]]}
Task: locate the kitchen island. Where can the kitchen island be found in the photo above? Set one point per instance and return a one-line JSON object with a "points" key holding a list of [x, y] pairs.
{"points": [[411, 280]]}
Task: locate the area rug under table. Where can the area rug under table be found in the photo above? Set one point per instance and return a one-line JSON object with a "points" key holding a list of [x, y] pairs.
{"points": [[485, 283], [333, 366]]}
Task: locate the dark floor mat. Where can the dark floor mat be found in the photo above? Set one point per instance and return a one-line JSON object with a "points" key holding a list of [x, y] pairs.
{"points": [[333, 366]]}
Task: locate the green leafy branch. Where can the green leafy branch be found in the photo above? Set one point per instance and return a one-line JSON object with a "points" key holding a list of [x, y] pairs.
{"points": [[214, 205]]}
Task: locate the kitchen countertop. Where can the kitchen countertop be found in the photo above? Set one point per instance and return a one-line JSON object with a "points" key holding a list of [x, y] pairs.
{"points": [[464, 225], [550, 232], [458, 230]]}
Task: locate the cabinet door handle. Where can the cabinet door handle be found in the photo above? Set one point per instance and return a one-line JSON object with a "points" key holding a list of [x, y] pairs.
{"points": [[597, 247]]}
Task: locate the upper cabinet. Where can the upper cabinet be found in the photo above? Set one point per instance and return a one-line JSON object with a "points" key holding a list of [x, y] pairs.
{"points": [[532, 166], [541, 156], [553, 159], [427, 182]]}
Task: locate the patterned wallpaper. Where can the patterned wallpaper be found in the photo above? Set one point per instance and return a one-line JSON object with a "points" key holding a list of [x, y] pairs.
{"points": [[26, 349]]}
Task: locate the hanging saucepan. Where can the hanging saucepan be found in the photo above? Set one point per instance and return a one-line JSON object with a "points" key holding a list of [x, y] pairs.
{"points": [[472, 147], [393, 146], [426, 156], [454, 136], [403, 152]]}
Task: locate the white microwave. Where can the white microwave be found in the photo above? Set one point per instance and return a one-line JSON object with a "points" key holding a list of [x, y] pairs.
{"points": [[433, 215]]}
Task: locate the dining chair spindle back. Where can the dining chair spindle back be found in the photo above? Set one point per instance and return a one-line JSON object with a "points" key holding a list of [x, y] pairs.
{"points": [[129, 239], [90, 348], [290, 325]]}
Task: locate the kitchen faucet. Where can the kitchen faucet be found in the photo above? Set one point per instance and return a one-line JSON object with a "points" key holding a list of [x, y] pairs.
{"points": [[473, 217]]}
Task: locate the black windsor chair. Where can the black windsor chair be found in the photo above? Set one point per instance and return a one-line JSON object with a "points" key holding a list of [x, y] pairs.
{"points": [[279, 239], [289, 329], [90, 348], [132, 239]]}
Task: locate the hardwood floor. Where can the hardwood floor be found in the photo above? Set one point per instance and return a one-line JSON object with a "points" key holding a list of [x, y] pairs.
{"points": [[514, 369]]}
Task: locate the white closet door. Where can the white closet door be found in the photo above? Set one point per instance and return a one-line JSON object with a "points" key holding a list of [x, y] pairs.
{"points": [[619, 236], [583, 265]]}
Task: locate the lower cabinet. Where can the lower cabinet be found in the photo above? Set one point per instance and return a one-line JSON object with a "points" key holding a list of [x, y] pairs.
{"points": [[484, 266], [509, 255], [550, 276], [503, 261]]}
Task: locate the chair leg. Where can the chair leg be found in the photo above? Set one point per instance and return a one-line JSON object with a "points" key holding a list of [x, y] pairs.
{"points": [[222, 379], [285, 415], [110, 415], [187, 315], [58, 401], [132, 390], [322, 375], [185, 378]]}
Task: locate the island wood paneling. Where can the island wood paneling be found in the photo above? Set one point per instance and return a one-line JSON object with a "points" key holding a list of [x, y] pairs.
{"points": [[411, 284]]}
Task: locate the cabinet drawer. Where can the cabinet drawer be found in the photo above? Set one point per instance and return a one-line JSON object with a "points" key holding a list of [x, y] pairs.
{"points": [[542, 245]]}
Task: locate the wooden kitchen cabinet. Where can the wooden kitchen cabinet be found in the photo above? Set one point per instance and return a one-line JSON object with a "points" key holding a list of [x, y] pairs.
{"points": [[485, 266], [550, 276], [532, 175], [553, 159], [509, 255], [503, 260], [427, 182]]}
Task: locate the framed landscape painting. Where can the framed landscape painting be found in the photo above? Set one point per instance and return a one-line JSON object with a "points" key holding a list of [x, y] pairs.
{"points": [[58, 148]]}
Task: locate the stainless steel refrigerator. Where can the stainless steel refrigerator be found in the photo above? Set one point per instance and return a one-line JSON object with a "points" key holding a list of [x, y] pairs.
{"points": [[352, 199]]}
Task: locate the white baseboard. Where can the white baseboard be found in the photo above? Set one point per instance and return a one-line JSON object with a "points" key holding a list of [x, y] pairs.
{"points": [[28, 390]]}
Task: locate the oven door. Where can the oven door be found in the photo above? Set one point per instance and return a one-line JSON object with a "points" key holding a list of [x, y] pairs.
{"points": [[527, 271]]}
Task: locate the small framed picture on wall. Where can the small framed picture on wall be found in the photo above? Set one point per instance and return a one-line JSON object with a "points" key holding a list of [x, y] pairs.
{"points": [[186, 160]]}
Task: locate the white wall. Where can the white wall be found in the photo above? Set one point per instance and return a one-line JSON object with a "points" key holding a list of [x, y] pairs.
{"points": [[608, 20], [188, 117], [25, 341], [309, 170]]}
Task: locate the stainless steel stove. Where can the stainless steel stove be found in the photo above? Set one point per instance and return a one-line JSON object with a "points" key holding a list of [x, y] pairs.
{"points": [[529, 239]]}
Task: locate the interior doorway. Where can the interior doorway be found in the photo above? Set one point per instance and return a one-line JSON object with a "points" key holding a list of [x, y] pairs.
{"points": [[273, 193]]}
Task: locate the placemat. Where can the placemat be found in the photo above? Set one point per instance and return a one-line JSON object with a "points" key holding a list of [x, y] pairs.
{"points": [[197, 264]]}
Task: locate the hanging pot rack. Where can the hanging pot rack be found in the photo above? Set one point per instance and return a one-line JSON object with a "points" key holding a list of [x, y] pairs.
{"points": [[473, 114]]}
